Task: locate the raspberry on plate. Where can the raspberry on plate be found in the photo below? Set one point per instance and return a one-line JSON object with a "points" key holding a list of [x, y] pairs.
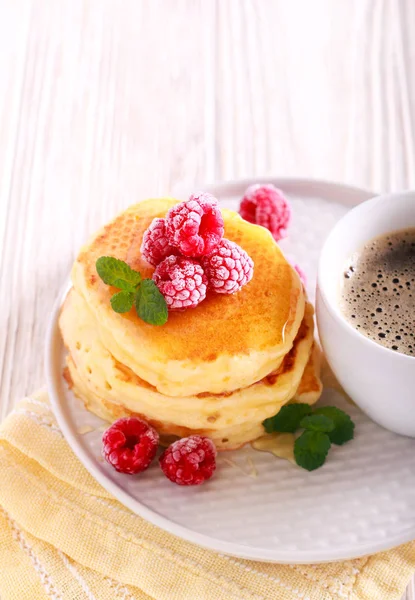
{"points": [[182, 281], [195, 227], [155, 246], [266, 205], [228, 268], [189, 461], [129, 445]]}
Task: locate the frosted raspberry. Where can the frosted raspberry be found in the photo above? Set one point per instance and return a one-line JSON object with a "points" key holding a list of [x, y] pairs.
{"points": [[155, 246], [301, 274], [266, 205], [130, 444], [195, 227], [182, 281], [189, 461], [228, 268]]}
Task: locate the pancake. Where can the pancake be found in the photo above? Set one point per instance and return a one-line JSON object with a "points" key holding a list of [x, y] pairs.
{"points": [[110, 389], [228, 438], [310, 387], [226, 343]]}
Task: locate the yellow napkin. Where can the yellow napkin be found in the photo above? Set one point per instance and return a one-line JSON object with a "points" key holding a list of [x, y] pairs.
{"points": [[64, 537]]}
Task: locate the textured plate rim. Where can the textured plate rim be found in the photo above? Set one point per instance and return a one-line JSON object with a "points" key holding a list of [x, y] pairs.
{"points": [[330, 191]]}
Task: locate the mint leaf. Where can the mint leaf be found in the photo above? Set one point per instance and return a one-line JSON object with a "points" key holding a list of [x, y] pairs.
{"points": [[122, 302], [288, 419], [150, 303], [117, 273], [317, 423], [310, 449], [343, 425]]}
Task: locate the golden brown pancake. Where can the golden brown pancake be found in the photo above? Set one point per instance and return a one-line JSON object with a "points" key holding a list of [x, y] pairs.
{"points": [[310, 386], [228, 438], [111, 390], [226, 343]]}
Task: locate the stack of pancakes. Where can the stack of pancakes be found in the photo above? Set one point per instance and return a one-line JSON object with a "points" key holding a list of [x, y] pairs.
{"points": [[218, 369]]}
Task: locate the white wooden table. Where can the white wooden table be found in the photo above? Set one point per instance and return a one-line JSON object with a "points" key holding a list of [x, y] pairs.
{"points": [[105, 102]]}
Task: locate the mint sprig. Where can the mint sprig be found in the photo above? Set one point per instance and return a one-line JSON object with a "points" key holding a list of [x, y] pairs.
{"points": [[310, 449], [288, 419], [343, 425], [317, 423], [150, 304], [322, 427], [122, 302], [117, 273]]}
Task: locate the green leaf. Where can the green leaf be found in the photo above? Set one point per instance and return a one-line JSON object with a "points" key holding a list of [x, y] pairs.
{"points": [[317, 423], [122, 302], [310, 449], [117, 273], [343, 425], [288, 419], [150, 303]]}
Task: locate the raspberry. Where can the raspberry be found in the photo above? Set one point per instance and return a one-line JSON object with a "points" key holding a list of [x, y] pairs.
{"points": [[182, 281], [301, 274], [155, 246], [129, 445], [266, 206], [195, 227], [189, 461], [228, 268]]}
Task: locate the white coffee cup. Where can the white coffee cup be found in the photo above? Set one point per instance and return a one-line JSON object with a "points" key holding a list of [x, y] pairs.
{"points": [[380, 381]]}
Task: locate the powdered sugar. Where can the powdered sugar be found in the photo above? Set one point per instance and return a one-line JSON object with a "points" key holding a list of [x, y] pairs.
{"points": [[155, 246], [130, 444], [189, 461], [228, 268], [195, 227], [267, 206], [182, 282]]}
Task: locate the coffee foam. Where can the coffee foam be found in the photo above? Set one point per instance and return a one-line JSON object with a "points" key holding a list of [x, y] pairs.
{"points": [[378, 291]]}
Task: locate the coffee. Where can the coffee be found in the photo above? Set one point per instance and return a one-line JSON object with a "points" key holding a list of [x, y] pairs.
{"points": [[378, 291]]}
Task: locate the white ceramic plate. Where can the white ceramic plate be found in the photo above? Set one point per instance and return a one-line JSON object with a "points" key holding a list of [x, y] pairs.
{"points": [[257, 506]]}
